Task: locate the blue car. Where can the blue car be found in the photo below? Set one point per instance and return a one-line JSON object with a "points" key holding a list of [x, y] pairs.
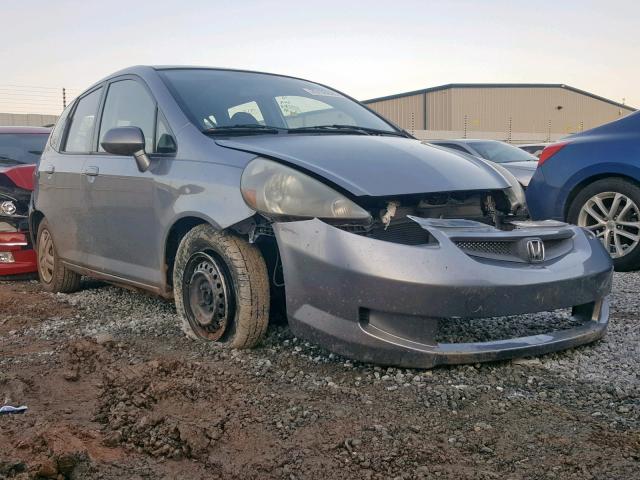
{"points": [[592, 179]]}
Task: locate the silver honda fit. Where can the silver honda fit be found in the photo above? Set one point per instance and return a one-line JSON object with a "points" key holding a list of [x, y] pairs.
{"points": [[230, 190]]}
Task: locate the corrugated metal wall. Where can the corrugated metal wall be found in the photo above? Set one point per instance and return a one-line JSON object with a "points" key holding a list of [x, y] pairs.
{"points": [[26, 119], [407, 112], [532, 110], [439, 107], [528, 110]]}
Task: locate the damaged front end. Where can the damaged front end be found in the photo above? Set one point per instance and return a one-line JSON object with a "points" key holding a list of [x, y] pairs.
{"points": [[16, 253], [396, 220], [382, 291], [381, 278]]}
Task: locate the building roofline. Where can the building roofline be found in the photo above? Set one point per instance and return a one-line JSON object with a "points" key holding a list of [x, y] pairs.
{"points": [[449, 86]]}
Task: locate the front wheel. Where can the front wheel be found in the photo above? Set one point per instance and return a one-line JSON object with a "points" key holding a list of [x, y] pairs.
{"points": [[610, 208], [221, 288]]}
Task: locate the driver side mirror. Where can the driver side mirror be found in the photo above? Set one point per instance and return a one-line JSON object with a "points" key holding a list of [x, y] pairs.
{"points": [[127, 141]]}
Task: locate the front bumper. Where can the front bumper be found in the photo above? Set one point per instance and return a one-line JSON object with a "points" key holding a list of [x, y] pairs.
{"points": [[381, 302], [16, 247]]}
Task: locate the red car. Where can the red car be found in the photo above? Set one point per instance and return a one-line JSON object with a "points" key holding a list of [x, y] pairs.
{"points": [[20, 149]]}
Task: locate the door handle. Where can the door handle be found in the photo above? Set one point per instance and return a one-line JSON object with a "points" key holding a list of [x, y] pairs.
{"points": [[91, 171], [50, 169]]}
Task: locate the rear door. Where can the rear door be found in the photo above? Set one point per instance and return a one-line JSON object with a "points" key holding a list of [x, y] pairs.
{"points": [[125, 221], [61, 193]]}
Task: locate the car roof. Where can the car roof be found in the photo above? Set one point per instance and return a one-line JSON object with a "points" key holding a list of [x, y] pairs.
{"points": [[24, 130], [142, 70]]}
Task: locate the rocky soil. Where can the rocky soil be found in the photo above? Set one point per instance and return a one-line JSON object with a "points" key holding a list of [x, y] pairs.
{"points": [[115, 390]]}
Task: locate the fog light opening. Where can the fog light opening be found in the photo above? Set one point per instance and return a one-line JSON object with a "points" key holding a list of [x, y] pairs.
{"points": [[6, 257]]}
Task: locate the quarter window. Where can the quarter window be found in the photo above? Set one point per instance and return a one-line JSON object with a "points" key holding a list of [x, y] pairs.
{"points": [[56, 135], [80, 137], [129, 105], [165, 143]]}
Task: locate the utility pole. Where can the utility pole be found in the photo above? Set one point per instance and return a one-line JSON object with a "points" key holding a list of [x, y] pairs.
{"points": [[64, 98]]}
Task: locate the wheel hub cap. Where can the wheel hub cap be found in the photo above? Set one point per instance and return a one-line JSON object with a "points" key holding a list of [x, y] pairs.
{"points": [[615, 219], [207, 298], [46, 256]]}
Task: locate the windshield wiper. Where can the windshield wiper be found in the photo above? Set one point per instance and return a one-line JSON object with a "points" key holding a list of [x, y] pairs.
{"points": [[344, 129], [245, 129]]}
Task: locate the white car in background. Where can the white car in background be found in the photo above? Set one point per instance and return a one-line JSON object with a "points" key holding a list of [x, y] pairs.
{"points": [[534, 148], [520, 163]]}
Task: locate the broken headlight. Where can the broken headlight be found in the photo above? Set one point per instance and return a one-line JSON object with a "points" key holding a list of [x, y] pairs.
{"points": [[515, 194], [274, 189]]}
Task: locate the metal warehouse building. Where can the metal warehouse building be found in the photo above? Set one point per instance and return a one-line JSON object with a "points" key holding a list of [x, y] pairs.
{"points": [[517, 113]]}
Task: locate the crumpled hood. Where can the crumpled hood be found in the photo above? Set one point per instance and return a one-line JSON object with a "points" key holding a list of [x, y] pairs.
{"points": [[374, 165]]}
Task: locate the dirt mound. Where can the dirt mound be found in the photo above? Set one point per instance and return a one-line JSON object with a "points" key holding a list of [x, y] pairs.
{"points": [[12, 389], [20, 308], [163, 408], [53, 449]]}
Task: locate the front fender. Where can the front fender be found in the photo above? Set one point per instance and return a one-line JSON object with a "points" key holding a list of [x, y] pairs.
{"points": [[200, 190]]}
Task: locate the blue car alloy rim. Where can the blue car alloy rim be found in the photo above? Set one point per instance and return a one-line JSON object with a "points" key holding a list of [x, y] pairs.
{"points": [[208, 296], [615, 219]]}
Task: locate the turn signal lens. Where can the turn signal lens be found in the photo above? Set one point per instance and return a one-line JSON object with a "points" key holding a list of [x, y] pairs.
{"points": [[550, 151]]}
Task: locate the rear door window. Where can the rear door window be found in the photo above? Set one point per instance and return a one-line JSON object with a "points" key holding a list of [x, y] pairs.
{"points": [[80, 136]]}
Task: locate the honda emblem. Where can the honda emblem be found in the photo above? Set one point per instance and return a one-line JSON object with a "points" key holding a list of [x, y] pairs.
{"points": [[535, 250]]}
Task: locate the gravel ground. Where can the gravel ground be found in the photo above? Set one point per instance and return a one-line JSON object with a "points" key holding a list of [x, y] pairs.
{"points": [[115, 390]]}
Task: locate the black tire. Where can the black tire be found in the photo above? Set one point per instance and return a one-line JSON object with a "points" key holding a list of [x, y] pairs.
{"points": [[53, 275], [211, 265], [631, 260]]}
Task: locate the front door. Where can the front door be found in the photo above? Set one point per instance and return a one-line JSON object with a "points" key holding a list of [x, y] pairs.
{"points": [[125, 224]]}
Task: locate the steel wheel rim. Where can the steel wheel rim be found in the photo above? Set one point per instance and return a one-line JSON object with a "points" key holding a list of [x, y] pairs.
{"points": [[208, 296], [46, 256], [613, 218]]}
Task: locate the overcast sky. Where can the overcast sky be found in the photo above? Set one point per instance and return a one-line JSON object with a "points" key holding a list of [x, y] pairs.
{"points": [[367, 49]]}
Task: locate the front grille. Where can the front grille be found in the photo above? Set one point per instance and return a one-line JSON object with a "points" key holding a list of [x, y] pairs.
{"points": [[491, 247], [405, 233], [512, 250]]}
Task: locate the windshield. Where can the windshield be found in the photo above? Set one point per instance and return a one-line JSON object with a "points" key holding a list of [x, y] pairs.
{"points": [[501, 152], [21, 148], [218, 99]]}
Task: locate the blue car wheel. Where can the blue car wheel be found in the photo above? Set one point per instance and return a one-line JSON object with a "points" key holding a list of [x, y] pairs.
{"points": [[610, 208]]}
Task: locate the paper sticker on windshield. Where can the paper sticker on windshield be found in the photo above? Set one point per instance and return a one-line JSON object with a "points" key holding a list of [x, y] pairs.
{"points": [[321, 92]]}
